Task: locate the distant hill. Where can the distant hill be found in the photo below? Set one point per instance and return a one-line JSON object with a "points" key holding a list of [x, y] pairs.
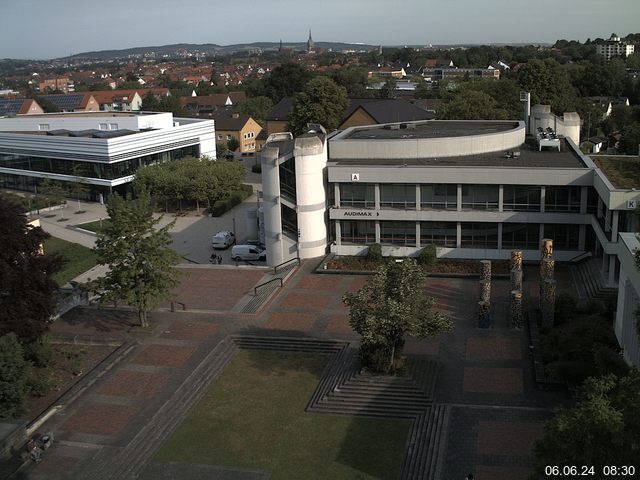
{"points": [[211, 49]]}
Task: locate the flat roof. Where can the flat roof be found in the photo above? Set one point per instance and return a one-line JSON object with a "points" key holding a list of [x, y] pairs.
{"points": [[622, 171], [529, 157], [430, 129]]}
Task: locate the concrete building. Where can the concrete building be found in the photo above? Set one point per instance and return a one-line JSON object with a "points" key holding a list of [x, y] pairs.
{"points": [[475, 189], [614, 47], [105, 150]]}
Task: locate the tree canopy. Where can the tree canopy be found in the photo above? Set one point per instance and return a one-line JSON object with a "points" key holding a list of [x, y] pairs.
{"points": [[141, 265], [284, 81], [549, 84], [391, 304], [26, 287], [322, 101], [603, 428]]}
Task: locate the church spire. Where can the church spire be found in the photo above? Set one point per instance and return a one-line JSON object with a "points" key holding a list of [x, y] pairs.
{"points": [[310, 43]]}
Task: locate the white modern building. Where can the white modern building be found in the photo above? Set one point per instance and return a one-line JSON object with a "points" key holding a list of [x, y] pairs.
{"points": [[104, 149], [614, 47], [475, 189]]}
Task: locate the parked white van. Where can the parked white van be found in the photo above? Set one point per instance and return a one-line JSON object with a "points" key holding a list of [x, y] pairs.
{"points": [[247, 252]]}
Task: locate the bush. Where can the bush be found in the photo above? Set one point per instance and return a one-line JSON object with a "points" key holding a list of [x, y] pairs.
{"points": [[37, 385], [257, 168], [428, 256], [39, 352], [222, 206], [13, 376], [565, 308], [607, 361], [374, 252]]}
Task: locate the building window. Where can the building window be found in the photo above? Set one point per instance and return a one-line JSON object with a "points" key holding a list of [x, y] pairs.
{"points": [[565, 237], [480, 197], [398, 233], [357, 232], [357, 195], [439, 197], [592, 200], [102, 126], [113, 126], [520, 198], [562, 199], [289, 221], [525, 236], [43, 127], [288, 178], [228, 137], [443, 234], [398, 195], [219, 137], [479, 235]]}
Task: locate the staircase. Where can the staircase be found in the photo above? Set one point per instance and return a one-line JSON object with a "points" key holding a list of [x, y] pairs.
{"points": [[589, 281]]}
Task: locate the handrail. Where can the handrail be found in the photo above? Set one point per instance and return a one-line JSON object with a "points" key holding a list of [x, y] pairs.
{"points": [[296, 259], [255, 290]]}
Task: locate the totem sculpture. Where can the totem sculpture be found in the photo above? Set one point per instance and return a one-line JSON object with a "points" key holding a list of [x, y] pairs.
{"points": [[484, 305], [484, 314], [516, 270], [547, 283], [515, 309]]}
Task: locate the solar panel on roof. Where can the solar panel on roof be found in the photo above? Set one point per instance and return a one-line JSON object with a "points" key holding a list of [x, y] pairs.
{"points": [[65, 102], [10, 107]]}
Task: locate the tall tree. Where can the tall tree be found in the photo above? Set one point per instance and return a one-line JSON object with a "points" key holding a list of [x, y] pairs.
{"points": [[602, 429], [26, 288], [285, 81], [390, 305], [256, 107], [13, 375], [322, 101], [471, 105], [141, 265], [549, 84]]}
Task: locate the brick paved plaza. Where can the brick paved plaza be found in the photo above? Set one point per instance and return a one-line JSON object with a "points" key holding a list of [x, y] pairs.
{"points": [[496, 413]]}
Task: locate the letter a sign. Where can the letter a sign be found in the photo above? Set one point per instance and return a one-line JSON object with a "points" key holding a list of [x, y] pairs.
{"points": [[355, 177]]}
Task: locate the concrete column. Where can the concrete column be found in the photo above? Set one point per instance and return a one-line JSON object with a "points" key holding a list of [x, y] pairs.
{"points": [[418, 234], [376, 195], [418, 197], [500, 202], [458, 235], [515, 309], [338, 229], [600, 203], [607, 220], [459, 198], [584, 194], [614, 226], [582, 236], [541, 232], [336, 194], [500, 235], [543, 195], [377, 231]]}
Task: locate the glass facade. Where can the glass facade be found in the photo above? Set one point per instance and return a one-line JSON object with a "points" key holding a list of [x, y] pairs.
{"points": [[439, 197], [287, 172], [562, 199], [360, 195], [525, 236], [479, 235], [357, 232], [480, 197], [105, 171], [396, 195], [398, 233], [517, 198], [443, 234], [565, 237], [289, 221]]}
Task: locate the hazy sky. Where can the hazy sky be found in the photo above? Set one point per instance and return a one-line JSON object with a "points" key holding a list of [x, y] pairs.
{"points": [[49, 29]]}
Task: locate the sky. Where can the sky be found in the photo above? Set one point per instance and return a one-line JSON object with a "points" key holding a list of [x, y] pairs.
{"points": [[43, 29]]}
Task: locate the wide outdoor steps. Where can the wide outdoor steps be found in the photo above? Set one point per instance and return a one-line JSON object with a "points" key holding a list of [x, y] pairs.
{"points": [[288, 344], [591, 281], [426, 445]]}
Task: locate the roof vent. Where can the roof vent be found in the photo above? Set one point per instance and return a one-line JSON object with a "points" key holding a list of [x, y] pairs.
{"points": [[392, 126]]}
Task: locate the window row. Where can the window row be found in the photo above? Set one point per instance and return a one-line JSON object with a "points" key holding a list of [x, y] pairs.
{"points": [[473, 234], [516, 198], [107, 171]]}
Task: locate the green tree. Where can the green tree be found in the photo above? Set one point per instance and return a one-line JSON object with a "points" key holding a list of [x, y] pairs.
{"points": [[285, 81], [630, 141], [141, 265], [471, 105], [548, 83], [603, 428], [26, 288], [256, 107], [13, 376], [79, 186], [233, 144], [55, 193], [354, 79], [322, 101], [391, 304]]}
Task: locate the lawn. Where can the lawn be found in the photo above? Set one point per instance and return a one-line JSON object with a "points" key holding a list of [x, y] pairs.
{"points": [[622, 171], [78, 259], [253, 417], [97, 227]]}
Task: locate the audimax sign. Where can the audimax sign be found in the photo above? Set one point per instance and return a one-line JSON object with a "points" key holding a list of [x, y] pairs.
{"points": [[362, 213]]}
